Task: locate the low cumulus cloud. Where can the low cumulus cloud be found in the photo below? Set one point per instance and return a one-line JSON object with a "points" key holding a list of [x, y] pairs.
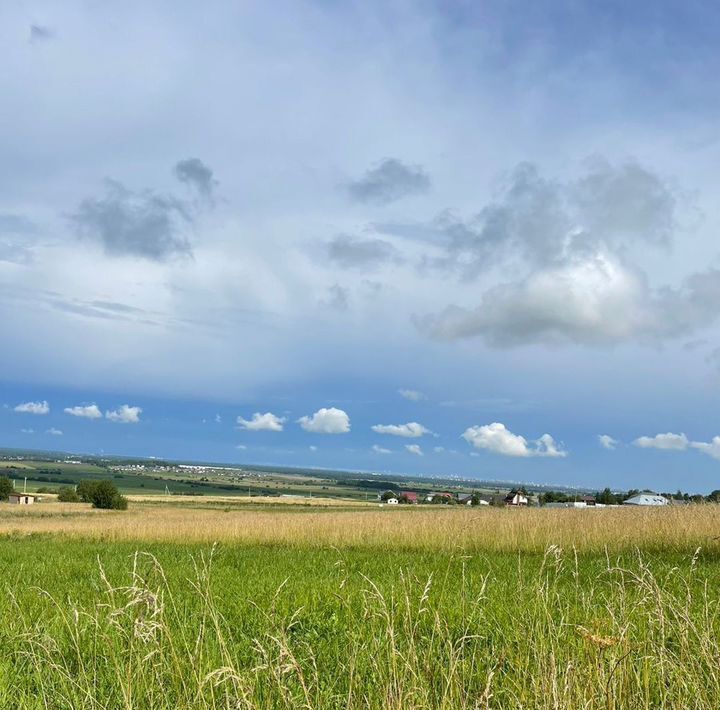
{"points": [[607, 442], [380, 449], [679, 442], [326, 421], [388, 182], [53, 431], [197, 175], [33, 408], [128, 223], [414, 449], [711, 448], [570, 240], [124, 414], [667, 442], [262, 422], [350, 252], [596, 301], [412, 395], [497, 439], [87, 411], [411, 430]]}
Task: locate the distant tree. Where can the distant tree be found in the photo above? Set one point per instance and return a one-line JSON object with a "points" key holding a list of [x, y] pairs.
{"points": [[631, 493], [102, 494], [6, 487], [66, 494], [605, 497], [551, 497], [714, 497], [388, 495], [85, 490]]}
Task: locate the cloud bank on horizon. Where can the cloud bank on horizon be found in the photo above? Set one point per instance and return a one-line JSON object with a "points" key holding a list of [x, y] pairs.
{"points": [[500, 226]]}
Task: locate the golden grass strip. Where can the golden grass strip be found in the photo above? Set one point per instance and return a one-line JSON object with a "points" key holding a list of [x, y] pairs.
{"points": [[496, 529]]}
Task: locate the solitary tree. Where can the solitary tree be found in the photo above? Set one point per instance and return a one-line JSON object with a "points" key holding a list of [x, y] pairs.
{"points": [[102, 494], [5, 487]]}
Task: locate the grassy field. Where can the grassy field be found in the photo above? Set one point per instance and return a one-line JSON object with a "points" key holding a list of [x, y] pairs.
{"points": [[187, 604]]}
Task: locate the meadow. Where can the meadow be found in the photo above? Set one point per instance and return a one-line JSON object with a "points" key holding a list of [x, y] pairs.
{"points": [[181, 604]]}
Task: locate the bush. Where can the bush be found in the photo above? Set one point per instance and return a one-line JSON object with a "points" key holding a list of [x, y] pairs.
{"points": [[85, 490], [68, 495], [102, 494], [5, 487]]}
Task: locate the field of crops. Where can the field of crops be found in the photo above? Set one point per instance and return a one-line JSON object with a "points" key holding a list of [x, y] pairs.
{"points": [[185, 606]]}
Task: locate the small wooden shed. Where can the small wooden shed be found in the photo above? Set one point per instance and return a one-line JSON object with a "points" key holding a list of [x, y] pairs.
{"points": [[21, 498]]}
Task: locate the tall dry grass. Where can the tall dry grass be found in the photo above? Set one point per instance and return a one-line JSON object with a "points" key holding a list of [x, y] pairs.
{"points": [[446, 529]]}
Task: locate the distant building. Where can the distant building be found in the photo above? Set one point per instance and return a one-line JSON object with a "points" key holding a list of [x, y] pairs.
{"points": [[408, 497], [646, 499], [21, 498], [392, 501], [516, 499]]}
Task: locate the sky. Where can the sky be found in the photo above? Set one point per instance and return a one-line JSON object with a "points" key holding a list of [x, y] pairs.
{"points": [[442, 238]]}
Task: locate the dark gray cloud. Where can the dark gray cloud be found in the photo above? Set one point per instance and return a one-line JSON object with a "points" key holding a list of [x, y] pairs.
{"points": [[358, 253], [40, 33], [388, 182], [539, 221], [127, 223], [338, 298], [196, 174]]}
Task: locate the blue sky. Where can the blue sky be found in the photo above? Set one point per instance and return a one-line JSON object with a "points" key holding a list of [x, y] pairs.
{"points": [[298, 210]]}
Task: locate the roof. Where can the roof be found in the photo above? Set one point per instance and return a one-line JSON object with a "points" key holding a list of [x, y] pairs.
{"points": [[646, 499], [15, 494]]}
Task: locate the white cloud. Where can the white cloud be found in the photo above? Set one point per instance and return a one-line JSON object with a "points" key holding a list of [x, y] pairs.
{"points": [[242, 447], [412, 395], [711, 449], [411, 430], [667, 442], [125, 414], [439, 449], [54, 431], [27, 431], [326, 421], [262, 422], [313, 448], [33, 408], [218, 419], [380, 450], [607, 442], [414, 449], [88, 411], [497, 439]]}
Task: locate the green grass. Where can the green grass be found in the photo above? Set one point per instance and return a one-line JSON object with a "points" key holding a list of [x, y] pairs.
{"points": [[271, 626]]}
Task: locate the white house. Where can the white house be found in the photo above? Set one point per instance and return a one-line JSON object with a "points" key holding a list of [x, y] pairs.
{"points": [[516, 499], [646, 499], [392, 501]]}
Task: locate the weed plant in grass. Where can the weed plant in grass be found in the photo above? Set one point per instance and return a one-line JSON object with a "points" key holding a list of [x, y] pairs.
{"points": [[101, 625]]}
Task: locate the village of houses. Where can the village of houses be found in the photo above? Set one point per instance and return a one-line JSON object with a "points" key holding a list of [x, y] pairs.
{"points": [[516, 499]]}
